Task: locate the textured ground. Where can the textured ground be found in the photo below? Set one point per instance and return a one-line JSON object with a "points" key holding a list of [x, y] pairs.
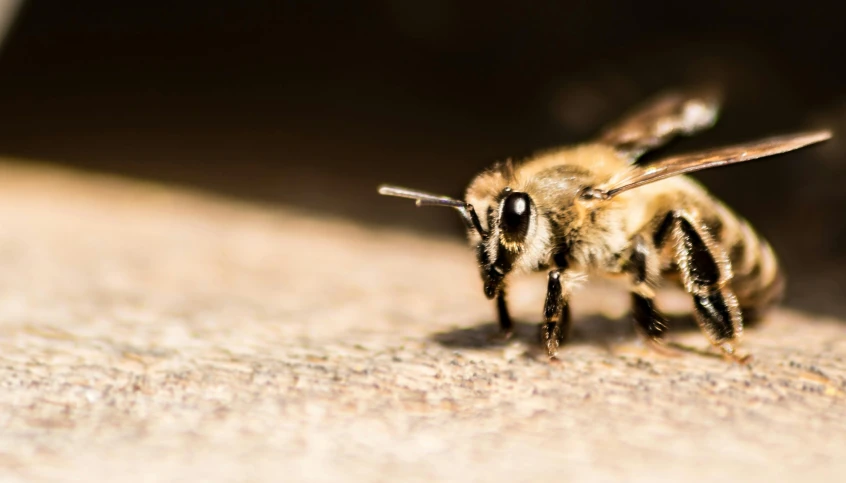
{"points": [[150, 334]]}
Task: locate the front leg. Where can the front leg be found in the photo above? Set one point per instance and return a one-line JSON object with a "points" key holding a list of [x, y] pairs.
{"points": [[506, 326], [555, 332]]}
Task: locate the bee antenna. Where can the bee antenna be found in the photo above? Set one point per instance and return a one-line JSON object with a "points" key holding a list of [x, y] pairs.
{"points": [[421, 198]]}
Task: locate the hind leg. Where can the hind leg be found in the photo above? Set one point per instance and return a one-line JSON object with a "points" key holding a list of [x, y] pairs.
{"points": [[705, 271]]}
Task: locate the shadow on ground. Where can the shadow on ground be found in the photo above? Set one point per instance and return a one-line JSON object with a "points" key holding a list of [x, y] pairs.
{"points": [[593, 329]]}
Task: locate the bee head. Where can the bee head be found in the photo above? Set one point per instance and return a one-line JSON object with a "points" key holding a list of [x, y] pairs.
{"points": [[510, 224], [511, 218]]}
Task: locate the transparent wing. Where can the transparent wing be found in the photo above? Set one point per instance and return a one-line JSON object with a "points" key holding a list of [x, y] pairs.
{"points": [[687, 163], [660, 119]]}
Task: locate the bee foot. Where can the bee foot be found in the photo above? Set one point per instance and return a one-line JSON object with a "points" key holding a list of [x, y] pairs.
{"points": [[730, 353], [661, 347]]}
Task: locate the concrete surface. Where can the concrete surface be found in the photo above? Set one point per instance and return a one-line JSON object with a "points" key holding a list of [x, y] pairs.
{"points": [[153, 334]]}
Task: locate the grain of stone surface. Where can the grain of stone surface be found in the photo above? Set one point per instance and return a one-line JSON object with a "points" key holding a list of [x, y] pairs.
{"points": [[154, 334]]}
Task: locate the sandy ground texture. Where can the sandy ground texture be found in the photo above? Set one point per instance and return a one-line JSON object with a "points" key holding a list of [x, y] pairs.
{"points": [[153, 334]]}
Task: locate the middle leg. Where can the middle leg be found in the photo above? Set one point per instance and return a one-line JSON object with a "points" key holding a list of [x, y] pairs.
{"points": [[643, 266]]}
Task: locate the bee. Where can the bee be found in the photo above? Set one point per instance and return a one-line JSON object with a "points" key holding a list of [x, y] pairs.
{"points": [[592, 209]]}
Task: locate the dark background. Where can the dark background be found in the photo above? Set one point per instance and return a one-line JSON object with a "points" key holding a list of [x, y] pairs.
{"points": [[312, 104]]}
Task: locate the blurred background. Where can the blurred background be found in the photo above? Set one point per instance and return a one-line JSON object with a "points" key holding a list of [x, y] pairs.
{"points": [[311, 104]]}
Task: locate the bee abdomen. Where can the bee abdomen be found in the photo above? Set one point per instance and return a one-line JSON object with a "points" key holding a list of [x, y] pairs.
{"points": [[758, 281]]}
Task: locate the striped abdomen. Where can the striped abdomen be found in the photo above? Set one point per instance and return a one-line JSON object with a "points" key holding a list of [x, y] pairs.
{"points": [[758, 281]]}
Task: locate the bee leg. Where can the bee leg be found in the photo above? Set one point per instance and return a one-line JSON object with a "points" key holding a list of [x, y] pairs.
{"points": [[554, 333], [719, 316], [648, 320], [506, 326], [705, 271]]}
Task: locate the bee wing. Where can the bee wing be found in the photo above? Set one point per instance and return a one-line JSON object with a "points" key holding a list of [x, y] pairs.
{"points": [[687, 163], [660, 119]]}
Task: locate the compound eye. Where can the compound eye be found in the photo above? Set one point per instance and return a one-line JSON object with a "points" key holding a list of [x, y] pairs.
{"points": [[516, 210]]}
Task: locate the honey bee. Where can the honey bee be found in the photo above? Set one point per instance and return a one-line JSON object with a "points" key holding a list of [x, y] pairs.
{"points": [[591, 209]]}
